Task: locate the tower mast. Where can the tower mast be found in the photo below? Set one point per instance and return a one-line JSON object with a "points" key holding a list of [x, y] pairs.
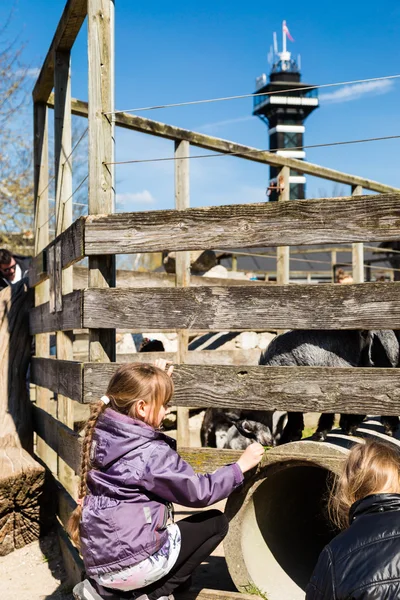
{"points": [[284, 109]]}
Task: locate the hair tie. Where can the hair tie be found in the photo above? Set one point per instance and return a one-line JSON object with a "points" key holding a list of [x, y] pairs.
{"points": [[105, 399], [80, 501]]}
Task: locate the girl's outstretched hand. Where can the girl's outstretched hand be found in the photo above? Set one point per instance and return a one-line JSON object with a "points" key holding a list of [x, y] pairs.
{"points": [[251, 457], [161, 363]]}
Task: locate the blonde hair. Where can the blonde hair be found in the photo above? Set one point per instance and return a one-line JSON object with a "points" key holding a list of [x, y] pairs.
{"points": [[129, 384], [372, 467]]}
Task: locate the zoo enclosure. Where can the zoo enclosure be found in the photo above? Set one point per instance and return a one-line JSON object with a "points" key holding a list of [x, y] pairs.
{"points": [[102, 308]]}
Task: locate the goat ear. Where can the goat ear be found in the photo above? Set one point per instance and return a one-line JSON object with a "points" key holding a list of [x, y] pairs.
{"points": [[367, 340]]}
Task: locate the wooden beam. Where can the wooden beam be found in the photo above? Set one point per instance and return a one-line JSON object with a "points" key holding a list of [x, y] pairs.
{"points": [[72, 251], [283, 252], [182, 273], [41, 224], [64, 217], [101, 152], [67, 30], [358, 249], [365, 218], [60, 376], [135, 123], [65, 442], [362, 306], [43, 321], [141, 279], [306, 389]]}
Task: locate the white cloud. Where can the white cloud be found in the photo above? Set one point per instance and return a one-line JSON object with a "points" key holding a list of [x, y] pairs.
{"points": [[356, 90], [224, 123], [144, 197]]}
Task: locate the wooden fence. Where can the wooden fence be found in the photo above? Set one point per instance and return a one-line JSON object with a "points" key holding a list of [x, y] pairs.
{"points": [[102, 308]]}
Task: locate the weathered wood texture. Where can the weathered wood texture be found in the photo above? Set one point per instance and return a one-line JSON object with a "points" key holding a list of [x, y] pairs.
{"points": [[21, 485], [365, 218], [61, 376], [208, 594], [362, 306], [206, 460], [59, 437], [283, 252], [63, 280], [68, 28], [306, 389], [42, 320], [101, 153], [71, 241], [136, 123], [182, 273], [193, 357], [140, 279], [41, 222]]}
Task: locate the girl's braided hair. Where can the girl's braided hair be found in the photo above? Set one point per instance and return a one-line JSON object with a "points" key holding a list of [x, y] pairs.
{"points": [[129, 383]]}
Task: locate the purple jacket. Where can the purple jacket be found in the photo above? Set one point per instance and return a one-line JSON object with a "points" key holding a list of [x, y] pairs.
{"points": [[136, 473]]}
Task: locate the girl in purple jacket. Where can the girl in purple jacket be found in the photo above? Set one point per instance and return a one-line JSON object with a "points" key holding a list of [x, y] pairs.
{"points": [[130, 475]]}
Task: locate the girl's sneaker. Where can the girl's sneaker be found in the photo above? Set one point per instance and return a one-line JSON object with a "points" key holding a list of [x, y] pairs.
{"points": [[85, 591]]}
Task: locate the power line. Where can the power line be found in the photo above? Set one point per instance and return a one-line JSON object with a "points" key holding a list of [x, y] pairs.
{"points": [[238, 97], [241, 153]]}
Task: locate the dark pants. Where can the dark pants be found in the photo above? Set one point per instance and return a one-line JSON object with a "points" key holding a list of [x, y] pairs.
{"points": [[200, 535]]}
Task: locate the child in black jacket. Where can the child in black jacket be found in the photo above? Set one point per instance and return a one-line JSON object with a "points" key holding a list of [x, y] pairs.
{"points": [[363, 562]]}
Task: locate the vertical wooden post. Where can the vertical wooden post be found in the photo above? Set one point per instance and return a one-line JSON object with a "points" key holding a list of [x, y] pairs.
{"points": [[101, 152], [64, 216], [333, 263], [358, 248], [41, 207], [182, 273], [283, 252]]}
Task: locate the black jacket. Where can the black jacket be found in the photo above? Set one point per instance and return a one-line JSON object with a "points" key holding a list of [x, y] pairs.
{"points": [[362, 562]]}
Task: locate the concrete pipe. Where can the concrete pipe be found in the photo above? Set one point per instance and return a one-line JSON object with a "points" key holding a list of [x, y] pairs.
{"points": [[278, 521]]}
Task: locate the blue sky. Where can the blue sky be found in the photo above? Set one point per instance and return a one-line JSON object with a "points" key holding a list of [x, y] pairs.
{"points": [[177, 51]]}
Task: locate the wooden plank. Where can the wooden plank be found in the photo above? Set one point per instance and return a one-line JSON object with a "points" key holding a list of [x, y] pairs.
{"points": [[209, 594], [193, 357], [101, 152], [365, 218], [182, 273], [67, 30], [361, 306], [65, 442], [73, 564], [71, 252], [306, 389], [41, 196], [358, 249], [136, 123], [206, 460], [63, 210], [61, 376], [283, 252], [140, 279], [43, 321]]}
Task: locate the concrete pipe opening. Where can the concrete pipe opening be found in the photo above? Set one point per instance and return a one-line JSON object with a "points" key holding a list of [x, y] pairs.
{"points": [[286, 521]]}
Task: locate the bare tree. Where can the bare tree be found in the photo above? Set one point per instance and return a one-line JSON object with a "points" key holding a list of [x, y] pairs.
{"points": [[16, 189]]}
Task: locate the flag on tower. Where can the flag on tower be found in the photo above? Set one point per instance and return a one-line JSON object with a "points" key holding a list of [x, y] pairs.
{"points": [[286, 30]]}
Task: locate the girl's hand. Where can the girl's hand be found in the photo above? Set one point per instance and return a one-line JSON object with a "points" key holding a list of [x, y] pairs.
{"points": [[251, 457], [161, 363]]}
